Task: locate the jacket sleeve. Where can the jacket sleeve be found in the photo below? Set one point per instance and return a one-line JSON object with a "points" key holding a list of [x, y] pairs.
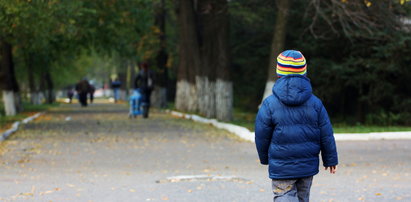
{"points": [[263, 132], [328, 146]]}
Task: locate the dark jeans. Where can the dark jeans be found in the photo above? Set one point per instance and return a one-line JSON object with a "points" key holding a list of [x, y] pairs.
{"points": [[83, 99], [292, 190], [91, 98], [146, 94]]}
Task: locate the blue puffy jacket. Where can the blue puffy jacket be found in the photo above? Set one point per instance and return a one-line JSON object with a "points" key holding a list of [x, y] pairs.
{"points": [[291, 128]]}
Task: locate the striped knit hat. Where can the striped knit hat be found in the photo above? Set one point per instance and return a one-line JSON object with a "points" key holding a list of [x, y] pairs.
{"points": [[291, 62]]}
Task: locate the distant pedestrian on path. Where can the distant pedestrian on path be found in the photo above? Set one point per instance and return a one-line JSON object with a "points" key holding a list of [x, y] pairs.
{"points": [[91, 92], [144, 82], [83, 88], [291, 129], [70, 94], [115, 85]]}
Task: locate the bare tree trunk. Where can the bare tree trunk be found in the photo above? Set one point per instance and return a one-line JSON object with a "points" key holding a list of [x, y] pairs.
{"points": [[42, 87], [205, 79], [189, 54], [35, 97], [277, 45], [206, 95], [217, 88], [9, 103], [8, 82], [224, 99], [50, 96], [30, 74], [160, 92], [186, 96]]}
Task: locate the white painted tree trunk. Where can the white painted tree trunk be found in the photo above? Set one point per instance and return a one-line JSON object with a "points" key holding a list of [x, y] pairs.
{"points": [[182, 90], [224, 100], [9, 103], [206, 97], [186, 96], [268, 89]]}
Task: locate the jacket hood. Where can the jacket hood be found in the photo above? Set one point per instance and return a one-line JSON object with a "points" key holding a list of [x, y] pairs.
{"points": [[293, 89]]}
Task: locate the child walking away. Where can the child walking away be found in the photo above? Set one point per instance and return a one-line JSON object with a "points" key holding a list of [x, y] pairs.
{"points": [[291, 129]]}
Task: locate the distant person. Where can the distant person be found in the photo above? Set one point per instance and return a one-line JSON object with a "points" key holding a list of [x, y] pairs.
{"points": [[92, 89], [144, 82], [115, 85], [291, 129], [83, 88], [70, 94]]}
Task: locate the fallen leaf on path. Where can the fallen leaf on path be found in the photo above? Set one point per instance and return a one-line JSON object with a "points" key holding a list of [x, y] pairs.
{"points": [[50, 191], [26, 194], [46, 192]]}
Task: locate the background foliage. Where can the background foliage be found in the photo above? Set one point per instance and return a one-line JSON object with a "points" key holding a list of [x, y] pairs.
{"points": [[358, 52], [361, 76]]}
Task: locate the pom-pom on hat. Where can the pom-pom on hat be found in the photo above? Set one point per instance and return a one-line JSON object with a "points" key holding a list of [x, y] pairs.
{"points": [[291, 62]]}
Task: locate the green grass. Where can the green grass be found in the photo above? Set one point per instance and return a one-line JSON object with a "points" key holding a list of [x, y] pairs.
{"points": [[341, 128], [247, 119], [4, 120], [37, 108], [28, 110]]}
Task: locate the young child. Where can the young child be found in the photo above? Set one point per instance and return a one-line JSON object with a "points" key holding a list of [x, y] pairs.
{"points": [[291, 128]]}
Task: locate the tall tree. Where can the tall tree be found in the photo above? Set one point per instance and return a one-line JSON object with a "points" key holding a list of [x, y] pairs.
{"points": [[161, 58], [206, 76], [277, 44], [217, 93], [358, 85], [8, 82], [189, 57]]}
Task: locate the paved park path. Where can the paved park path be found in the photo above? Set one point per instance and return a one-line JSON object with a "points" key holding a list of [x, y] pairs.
{"points": [[98, 154]]}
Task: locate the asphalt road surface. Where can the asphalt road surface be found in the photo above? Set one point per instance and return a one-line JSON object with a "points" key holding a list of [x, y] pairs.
{"points": [[98, 154]]}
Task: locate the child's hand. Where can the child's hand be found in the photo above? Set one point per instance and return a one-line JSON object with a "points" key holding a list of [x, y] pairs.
{"points": [[333, 169]]}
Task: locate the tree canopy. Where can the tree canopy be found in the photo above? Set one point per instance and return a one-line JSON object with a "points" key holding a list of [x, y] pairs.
{"points": [[358, 52]]}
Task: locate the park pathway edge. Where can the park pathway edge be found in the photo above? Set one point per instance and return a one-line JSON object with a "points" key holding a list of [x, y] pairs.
{"points": [[248, 135], [15, 126]]}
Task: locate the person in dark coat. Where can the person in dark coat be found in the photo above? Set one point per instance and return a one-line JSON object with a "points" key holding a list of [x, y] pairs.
{"points": [[83, 88], [115, 85], [70, 94], [144, 82], [291, 129], [92, 89]]}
